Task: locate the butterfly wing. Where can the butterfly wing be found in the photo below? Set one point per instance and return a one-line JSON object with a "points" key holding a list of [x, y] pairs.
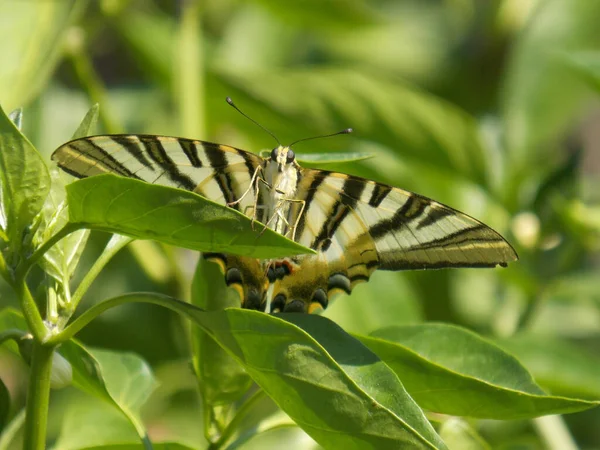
{"points": [[358, 226], [218, 172]]}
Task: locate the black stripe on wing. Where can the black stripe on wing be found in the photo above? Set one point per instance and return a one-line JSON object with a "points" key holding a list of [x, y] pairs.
{"points": [[411, 210], [318, 178], [351, 192], [87, 149], [132, 146], [156, 151], [219, 163]]}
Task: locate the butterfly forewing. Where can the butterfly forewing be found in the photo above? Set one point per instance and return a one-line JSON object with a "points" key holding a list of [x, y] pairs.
{"points": [[217, 172]]}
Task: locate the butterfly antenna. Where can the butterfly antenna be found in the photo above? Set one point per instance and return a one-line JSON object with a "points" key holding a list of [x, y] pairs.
{"points": [[346, 131], [228, 100]]}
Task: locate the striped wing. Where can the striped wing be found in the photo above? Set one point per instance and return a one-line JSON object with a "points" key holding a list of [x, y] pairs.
{"points": [[405, 230], [358, 226], [217, 172]]}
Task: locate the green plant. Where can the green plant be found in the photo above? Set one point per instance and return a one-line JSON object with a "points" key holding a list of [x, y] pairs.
{"points": [[365, 387]]}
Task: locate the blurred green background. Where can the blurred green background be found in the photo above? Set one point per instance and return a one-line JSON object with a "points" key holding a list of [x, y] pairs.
{"points": [[488, 106]]}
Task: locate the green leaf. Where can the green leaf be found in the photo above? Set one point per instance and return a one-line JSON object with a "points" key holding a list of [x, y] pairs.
{"points": [[586, 65], [172, 216], [11, 319], [221, 379], [24, 180], [4, 405], [561, 367], [88, 422], [458, 435], [331, 158], [332, 386], [453, 371], [88, 124], [62, 258], [123, 380], [541, 95], [31, 42]]}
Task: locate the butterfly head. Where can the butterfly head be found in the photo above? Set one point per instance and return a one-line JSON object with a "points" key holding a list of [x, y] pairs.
{"points": [[282, 156]]}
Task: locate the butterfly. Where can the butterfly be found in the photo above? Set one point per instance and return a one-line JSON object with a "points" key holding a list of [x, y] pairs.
{"points": [[355, 225]]}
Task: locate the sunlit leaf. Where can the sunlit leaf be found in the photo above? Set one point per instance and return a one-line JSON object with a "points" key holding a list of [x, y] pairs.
{"points": [[172, 216], [561, 367], [62, 258], [332, 386], [123, 380], [453, 371], [24, 181]]}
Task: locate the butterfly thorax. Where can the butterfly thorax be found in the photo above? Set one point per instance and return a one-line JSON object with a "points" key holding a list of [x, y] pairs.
{"points": [[281, 181]]}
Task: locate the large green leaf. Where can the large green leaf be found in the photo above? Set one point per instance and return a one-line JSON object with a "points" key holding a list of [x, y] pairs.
{"points": [[453, 371], [561, 367], [31, 42], [332, 386], [24, 180], [173, 216], [123, 380]]}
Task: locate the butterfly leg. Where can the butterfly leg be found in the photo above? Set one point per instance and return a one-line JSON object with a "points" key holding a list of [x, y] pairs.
{"points": [[253, 184], [297, 221]]}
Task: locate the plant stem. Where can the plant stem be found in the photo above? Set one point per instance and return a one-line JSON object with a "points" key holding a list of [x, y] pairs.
{"points": [[34, 320], [116, 243], [554, 433], [242, 413], [38, 397]]}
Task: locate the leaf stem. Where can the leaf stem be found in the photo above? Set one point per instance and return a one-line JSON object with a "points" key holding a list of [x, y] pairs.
{"points": [[38, 397], [34, 320], [116, 243], [554, 433], [11, 333], [135, 297], [240, 415]]}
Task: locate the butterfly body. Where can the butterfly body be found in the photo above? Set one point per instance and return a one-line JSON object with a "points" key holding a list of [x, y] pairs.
{"points": [[355, 225]]}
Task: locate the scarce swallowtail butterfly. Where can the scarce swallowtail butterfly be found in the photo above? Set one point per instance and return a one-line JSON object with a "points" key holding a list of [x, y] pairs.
{"points": [[355, 225]]}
